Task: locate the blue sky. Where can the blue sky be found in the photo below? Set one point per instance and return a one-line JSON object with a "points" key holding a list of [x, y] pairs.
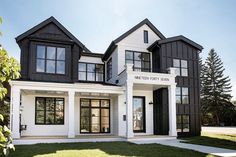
{"points": [[96, 23]]}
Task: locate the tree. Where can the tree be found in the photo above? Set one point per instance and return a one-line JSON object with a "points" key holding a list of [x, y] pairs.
{"points": [[9, 69], [215, 88]]}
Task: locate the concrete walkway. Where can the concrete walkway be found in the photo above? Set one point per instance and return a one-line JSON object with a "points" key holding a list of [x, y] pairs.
{"points": [[199, 148]]}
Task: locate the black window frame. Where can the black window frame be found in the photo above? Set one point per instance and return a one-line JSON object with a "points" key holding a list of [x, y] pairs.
{"points": [[182, 123], [109, 69], [145, 36], [56, 60], [90, 107], [45, 110], [182, 96], [142, 69], [180, 67], [95, 72]]}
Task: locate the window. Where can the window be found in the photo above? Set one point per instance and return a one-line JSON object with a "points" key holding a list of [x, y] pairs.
{"points": [[181, 67], [183, 123], [94, 115], [49, 111], [182, 95], [90, 72], [50, 59], [145, 36], [109, 69], [140, 60]]}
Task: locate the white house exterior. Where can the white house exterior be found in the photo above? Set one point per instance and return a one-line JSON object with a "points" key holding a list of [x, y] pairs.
{"points": [[68, 91]]}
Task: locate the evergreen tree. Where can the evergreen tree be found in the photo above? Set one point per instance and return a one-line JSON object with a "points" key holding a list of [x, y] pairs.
{"points": [[215, 88]]}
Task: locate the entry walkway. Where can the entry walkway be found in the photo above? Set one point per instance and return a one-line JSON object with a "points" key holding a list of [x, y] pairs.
{"points": [[200, 148]]}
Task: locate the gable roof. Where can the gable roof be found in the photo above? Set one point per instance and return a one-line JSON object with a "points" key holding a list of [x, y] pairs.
{"points": [[176, 38], [58, 24], [112, 46]]}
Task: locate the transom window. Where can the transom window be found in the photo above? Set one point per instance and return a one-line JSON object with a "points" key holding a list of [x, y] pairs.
{"points": [[94, 115], [182, 95], [181, 67], [109, 69], [140, 60], [183, 123], [90, 72], [49, 110], [50, 59]]}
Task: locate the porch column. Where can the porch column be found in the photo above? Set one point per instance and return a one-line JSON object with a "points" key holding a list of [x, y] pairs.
{"points": [[129, 110], [15, 112], [71, 114], [172, 110]]}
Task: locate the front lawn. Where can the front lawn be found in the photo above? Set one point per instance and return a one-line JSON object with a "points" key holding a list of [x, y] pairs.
{"points": [[101, 149], [227, 141]]}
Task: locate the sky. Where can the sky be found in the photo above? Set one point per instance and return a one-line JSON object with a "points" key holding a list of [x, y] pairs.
{"points": [[96, 23]]}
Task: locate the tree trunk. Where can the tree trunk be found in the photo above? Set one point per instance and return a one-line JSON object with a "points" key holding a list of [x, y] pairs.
{"points": [[217, 119]]}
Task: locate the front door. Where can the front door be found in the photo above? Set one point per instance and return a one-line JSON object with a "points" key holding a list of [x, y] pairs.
{"points": [[139, 114]]}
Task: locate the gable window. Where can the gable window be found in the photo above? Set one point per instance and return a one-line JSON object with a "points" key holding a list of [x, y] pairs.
{"points": [[145, 36], [50, 59], [181, 67], [49, 110], [182, 95], [109, 69], [140, 60], [90, 72], [182, 123]]}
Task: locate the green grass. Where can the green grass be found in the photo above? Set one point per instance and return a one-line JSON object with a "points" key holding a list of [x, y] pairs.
{"points": [[227, 141], [101, 149]]}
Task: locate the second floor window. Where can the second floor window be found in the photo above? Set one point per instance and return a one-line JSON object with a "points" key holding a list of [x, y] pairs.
{"points": [[181, 67], [50, 59], [182, 123], [140, 60], [145, 36], [182, 95], [109, 69], [90, 72]]}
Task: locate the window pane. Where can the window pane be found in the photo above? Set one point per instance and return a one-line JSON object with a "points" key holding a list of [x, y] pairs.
{"points": [[84, 112], [179, 128], [84, 128], [82, 76], [82, 67], [176, 63], [59, 105], [50, 66], [146, 57], [184, 91], [145, 65], [105, 120], [95, 128], [184, 72], [60, 67], [40, 103], [129, 61], [137, 56], [51, 52], [61, 53], [177, 71], [40, 65], [49, 117], [178, 119], [105, 128], [178, 99], [40, 117], [91, 68], [40, 51], [185, 119], [84, 102], [105, 112], [99, 77], [145, 33], [185, 127], [129, 55], [185, 100], [90, 76], [99, 68], [104, 103], [59, 118], [184, 64], [50, 104], [137, 64], [178, 91], [95, 103], [95, 112]]}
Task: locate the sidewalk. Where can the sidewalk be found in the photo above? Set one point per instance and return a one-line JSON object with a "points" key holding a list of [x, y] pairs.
{"points": [[204, 149]]}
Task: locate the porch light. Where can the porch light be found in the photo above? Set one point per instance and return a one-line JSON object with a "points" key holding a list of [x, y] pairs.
{"points": [[150, 103]]}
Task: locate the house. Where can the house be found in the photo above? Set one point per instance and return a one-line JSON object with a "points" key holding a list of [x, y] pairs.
{"points": [[144, 84]]}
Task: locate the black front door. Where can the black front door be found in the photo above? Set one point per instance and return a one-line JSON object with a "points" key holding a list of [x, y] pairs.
{"points": [[139, 114]]}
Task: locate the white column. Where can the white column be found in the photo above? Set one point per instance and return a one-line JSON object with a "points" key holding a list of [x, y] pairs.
{"points": [[172, 110], [71, 114], [129, 110], [15, 112]]}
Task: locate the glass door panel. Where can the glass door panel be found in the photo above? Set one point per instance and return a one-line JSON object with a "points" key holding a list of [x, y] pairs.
{"points": [[138, 114]]}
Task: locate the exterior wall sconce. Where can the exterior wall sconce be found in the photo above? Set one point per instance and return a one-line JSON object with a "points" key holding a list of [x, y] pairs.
{"points": [[150, 103]]}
